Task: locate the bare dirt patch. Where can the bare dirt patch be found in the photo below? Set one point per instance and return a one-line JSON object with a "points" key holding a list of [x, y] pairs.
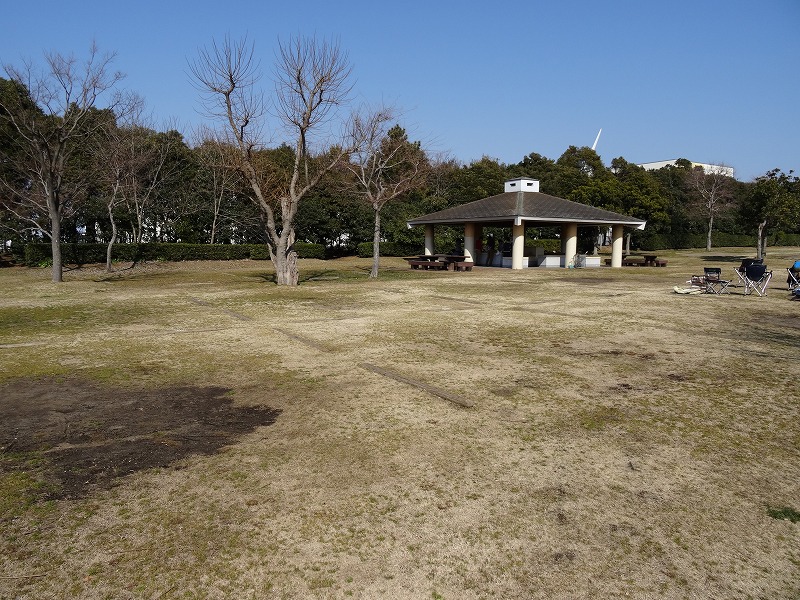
{"points": [[86, 436]]}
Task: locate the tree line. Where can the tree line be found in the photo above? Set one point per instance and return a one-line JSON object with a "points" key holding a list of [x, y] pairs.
{"points": [[80, 161]]}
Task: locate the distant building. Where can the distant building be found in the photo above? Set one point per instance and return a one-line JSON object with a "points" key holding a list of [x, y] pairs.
{"points": [[707, 169]]}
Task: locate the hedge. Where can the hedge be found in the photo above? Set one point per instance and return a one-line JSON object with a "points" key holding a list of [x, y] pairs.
{"points": [[81, 254], [784, 239], [364, 249], [550, 246], [719, 239]]}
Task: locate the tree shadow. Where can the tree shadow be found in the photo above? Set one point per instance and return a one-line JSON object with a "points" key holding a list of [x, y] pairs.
{"points": [[80, 436], [725, 259], [268, 277], [311, 275]]}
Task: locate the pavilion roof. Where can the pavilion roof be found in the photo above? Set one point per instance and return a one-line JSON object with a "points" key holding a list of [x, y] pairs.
{"points": [[518, 206]]}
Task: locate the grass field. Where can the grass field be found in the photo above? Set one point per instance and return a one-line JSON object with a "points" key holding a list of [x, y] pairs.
{"points": [[191, 430]]}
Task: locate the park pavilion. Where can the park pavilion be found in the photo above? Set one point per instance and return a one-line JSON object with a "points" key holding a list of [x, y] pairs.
{"points": [[522, 205]]}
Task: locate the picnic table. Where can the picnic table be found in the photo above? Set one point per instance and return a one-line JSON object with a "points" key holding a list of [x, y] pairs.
{"points": [[455, 262], [648, 260], [632, 261]]}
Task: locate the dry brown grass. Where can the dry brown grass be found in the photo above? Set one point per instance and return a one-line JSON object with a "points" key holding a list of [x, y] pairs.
{"points": [[624, 441]]}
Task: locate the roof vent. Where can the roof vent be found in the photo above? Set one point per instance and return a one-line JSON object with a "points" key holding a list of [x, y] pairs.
{"points": [[522, 184]]}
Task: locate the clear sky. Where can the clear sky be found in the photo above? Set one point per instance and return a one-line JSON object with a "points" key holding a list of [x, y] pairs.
{"points": [[713, 81]]}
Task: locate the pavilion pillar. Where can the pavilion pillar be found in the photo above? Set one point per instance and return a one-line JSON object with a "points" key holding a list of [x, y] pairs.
{"points": [[429, 239], [469, 242], [569, 239], [617, 235], [518, 249]]}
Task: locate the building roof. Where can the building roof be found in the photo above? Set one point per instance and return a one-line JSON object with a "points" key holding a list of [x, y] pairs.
{"points": [[708, 169], [526, 206]]}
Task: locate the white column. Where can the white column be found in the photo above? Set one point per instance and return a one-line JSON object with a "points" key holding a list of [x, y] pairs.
{"points": [[617, 235], [518, 249], [429, 239], [569, 237], [469, 242]]}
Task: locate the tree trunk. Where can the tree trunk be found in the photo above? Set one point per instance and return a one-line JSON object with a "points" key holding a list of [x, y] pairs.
{"points": [[286, 271], [762, 240], [111, 241], [55, 244], [761, 248], [284, 259], [376, 245], [710, 228], [598, 241]]}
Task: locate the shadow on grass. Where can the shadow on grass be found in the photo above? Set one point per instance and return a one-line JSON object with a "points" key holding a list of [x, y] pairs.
{"points": [[358, 273], [733, 259], [306, 275]]}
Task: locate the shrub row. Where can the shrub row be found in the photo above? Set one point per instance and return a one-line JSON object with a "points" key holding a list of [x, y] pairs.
{"points": [[81, 254], [719, 239], [679, 241], [364, 249], [784, 239], [550, 246]]}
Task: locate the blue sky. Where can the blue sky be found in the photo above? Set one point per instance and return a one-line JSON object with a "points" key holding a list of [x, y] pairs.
{"points": [[709, 80]]}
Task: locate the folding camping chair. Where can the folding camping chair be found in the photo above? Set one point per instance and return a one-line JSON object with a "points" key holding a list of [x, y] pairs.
{"points": [[714, 282], [710, 282], [755, 279], [746, 262], [793, 280]]}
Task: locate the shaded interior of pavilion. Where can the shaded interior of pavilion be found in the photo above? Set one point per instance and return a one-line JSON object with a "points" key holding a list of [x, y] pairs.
{"points": [[521, 206]]}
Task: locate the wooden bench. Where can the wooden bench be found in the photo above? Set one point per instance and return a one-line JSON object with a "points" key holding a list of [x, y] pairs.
{"points": [[463, 266], [660, 262]]}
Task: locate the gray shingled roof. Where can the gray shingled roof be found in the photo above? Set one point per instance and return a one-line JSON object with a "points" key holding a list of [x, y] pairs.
{"points": [[526, 206]]}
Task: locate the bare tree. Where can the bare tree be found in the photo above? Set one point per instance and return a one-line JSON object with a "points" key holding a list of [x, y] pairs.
{"points": [[713, 192], [385, 166], [51, 123], [151, 168], [221, 177], [311, 81], [117, 160], [135, 163]]}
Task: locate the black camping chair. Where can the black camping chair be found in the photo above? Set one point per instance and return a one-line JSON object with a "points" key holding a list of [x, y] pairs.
{"points": [[746, 262], [713, 281], [756, 279]]}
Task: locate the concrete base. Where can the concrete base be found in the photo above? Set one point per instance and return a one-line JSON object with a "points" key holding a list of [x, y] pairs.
{"points": [[548, 261], [559, 261], [591, 261], [507, 262], [551, 261]]}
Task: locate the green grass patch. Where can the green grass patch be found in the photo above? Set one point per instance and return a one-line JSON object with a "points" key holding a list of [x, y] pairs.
{"points": [[21, 484], [786, 513]]}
